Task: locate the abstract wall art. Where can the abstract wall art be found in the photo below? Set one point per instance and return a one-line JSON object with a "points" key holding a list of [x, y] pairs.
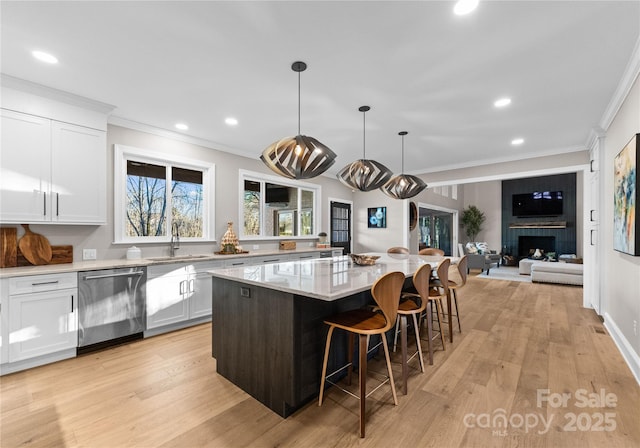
{"points": [[626, 228]]}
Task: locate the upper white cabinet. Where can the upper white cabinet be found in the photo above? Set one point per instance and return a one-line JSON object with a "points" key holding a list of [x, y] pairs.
{"points": [[25, 165], [51, 171], [78, 174], [53, 157]]}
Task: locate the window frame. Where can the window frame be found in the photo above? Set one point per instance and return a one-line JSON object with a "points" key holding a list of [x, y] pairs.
{"points": [[122, 154], [244, 175]]}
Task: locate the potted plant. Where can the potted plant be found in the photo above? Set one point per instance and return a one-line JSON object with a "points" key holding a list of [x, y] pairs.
{"points": [[472, 220]]}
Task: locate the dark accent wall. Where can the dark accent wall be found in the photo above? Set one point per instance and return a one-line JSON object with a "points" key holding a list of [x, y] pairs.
{"points": [[565, 239]]}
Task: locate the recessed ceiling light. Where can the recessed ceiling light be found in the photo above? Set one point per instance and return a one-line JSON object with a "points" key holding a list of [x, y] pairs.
{"points": [[517, 141], [182, 126], [463, 7], [231, 121], [502, 102], [44, 57]]}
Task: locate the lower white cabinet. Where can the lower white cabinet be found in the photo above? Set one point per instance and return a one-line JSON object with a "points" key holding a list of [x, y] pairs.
{"points": [[42, 315], [178, 292]]}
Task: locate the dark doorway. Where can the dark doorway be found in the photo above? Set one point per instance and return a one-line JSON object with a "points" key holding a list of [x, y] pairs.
{"points": [[341, 226], [435, 229]]}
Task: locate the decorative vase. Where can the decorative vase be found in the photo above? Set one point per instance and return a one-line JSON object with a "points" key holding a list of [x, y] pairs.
{"points": [[229, 242]]}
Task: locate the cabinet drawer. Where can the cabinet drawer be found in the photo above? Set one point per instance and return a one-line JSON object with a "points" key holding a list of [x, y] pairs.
{"points": [[36, 283], [163, 270]]}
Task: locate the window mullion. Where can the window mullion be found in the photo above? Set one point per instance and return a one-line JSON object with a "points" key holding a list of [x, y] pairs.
{"points": [[169, 199]]}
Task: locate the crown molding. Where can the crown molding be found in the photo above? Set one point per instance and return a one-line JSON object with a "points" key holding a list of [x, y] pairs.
{"points": [[11, 82], [630, 75], [160, 132]]}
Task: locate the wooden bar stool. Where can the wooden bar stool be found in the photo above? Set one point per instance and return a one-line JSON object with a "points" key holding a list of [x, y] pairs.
{"points": [[366, 322], [412, 304], [431, 251], [454, 286], [439, 291]]}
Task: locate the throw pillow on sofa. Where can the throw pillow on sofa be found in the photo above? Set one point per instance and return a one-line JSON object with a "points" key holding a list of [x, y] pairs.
{"points": [[483, 248], [471, 248]]}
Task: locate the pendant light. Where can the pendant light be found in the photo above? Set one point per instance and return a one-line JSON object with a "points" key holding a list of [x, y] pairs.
{"points": [[403, 186], [363, 174], [299, 157]]}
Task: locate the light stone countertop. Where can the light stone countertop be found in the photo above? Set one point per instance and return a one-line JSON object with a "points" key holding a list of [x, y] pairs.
{"points": [[325, 278], [118, 263]]}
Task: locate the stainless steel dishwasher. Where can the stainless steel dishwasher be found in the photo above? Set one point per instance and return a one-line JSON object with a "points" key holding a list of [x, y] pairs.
{"points": [[111, 307]]}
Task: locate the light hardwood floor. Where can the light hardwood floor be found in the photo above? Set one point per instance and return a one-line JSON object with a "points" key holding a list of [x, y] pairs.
{"points": [[518, 338]]}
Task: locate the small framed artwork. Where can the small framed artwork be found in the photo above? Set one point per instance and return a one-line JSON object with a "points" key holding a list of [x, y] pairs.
{"points": [[626, 228], [377, 217]]}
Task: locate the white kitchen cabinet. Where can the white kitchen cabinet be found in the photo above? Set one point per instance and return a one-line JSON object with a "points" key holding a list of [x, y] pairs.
{"points": [[51, 172], [42, 315], [178, 292], [78, 174], [25, 165], [167, 300], [202, 293]]}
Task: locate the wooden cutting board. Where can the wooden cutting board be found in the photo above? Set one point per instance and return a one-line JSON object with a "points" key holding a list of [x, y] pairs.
{"points": [[35, 247], [59, 255], [8, 247]]}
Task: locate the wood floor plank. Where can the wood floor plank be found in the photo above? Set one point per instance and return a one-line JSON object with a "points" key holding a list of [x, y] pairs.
{"points": [[517, 339]]}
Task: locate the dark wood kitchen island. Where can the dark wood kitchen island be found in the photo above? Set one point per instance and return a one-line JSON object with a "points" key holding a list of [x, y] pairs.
{"points": [[268, 331]]}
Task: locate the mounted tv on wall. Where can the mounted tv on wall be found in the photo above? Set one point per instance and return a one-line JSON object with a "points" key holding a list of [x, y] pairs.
{"points": [[538, 203], [377, 217]]}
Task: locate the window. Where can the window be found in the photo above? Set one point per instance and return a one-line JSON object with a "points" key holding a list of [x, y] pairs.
{"points": [[151, 194], [272, 207]]}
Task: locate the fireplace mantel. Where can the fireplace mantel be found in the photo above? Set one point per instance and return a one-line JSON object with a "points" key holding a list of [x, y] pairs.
{"points": [[539, 225]]}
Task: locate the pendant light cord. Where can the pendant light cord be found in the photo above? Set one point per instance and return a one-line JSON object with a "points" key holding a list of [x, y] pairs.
{"points": [[298, 103], [364, 135], [402, 171]]}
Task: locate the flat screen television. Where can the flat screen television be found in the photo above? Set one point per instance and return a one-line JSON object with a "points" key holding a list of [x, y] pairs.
{"points": [[276, 194], [538, 203], [377, 217]]}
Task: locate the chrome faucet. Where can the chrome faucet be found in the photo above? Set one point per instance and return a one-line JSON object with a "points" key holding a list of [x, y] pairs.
{"points": [[175, 239]]}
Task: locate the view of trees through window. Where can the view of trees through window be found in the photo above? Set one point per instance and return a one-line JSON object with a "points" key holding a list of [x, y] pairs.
{"points": [[147, 198]]}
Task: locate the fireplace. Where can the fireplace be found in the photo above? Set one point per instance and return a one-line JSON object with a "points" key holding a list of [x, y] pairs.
{"points": [[528, 243]]}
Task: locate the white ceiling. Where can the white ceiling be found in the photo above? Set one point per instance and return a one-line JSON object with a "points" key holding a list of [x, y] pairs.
{"points": [[420, 68]]}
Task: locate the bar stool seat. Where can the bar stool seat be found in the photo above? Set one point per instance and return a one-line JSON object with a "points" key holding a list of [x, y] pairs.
{"points": [[365, 323]]}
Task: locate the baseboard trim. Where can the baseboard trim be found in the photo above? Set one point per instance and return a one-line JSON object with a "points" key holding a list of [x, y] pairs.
{"points": [[630, 356]]}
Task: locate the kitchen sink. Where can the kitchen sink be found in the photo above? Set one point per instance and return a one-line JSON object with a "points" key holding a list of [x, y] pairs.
{"points": [[179, 257]]}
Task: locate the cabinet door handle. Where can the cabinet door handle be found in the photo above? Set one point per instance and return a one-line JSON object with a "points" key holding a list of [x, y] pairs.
{"points": [[591, 214], [593, 232], [182, 287], [191, 285], [57, 204], [270, 261], [72, 303], [44, 283], [44, 202]]}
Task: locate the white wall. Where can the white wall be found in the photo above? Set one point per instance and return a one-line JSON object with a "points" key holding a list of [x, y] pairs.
{"points": [[620, 280], [397, 232], [227, 197], [487, 196]]}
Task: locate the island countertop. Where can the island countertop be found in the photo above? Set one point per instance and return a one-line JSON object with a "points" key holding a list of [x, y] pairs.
{"points": [[326, 279]]}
